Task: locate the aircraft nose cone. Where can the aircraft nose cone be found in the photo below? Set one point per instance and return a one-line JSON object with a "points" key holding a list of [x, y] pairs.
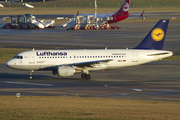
{"points": [[9, 64]]}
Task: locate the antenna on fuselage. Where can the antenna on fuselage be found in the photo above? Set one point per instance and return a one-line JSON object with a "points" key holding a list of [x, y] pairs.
{"points": [[33, 49]]}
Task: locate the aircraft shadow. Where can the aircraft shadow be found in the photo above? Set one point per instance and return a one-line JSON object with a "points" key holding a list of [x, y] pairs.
{"points": [[11, 76], [8, 76]]}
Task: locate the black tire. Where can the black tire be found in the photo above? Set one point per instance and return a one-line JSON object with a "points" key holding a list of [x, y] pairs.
{"points": [[83, 75], [88, 77]]}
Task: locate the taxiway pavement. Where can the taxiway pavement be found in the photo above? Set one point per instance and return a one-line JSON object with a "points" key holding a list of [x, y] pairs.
{"points": [[153, 81]]}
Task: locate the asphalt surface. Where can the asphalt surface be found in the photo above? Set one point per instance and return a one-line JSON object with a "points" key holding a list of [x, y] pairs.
{"points": [[152, 81], [160, 15]]}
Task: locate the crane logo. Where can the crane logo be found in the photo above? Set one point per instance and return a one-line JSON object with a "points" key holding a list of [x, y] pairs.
{"points": [[157, 34], [126, 7]]}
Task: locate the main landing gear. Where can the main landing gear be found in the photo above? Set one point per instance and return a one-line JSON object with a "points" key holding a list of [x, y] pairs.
{"points": [[31, 75], [86, 76]]}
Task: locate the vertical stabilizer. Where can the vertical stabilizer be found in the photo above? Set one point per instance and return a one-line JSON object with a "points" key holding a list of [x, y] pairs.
{"points": [[124, 8], [155, 38]]}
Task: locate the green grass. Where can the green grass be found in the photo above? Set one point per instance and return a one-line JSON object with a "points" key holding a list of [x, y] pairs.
{"points": [[8, 53], [101, 3], [78, 108], [174, 57]]}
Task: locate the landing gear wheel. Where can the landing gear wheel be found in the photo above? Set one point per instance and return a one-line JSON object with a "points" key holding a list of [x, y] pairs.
{"points": [[31, 77], [83, 75], [88, 77]]}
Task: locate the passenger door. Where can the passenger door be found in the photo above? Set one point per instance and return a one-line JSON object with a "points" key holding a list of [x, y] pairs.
{"points": [[32, 57]]}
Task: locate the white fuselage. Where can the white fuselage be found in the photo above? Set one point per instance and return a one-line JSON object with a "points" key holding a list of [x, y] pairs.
{"points": [[48, 59]]}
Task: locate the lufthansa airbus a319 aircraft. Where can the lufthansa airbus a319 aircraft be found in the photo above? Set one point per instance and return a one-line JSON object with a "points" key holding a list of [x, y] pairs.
{"points": [[66, 63]]}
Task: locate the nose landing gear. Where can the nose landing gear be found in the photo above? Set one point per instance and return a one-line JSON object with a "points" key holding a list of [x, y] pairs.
{"points": [[31, 75]]}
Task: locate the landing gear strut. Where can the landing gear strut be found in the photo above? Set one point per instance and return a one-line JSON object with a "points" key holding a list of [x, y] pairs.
{"points": [[86, 76], [31, 75]]}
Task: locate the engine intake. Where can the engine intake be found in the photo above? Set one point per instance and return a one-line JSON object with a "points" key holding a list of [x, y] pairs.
{"points": [[65, 71]]}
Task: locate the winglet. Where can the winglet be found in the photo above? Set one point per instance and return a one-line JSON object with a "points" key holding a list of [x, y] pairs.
{"points": [[77, 13], [155, 38], [142, 13]]}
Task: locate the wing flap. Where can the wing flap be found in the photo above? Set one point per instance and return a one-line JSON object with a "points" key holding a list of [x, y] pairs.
{"points": [[90, 64]]}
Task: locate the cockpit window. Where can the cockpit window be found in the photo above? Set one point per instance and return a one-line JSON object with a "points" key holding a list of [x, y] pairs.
{"points": [[18, 57]]}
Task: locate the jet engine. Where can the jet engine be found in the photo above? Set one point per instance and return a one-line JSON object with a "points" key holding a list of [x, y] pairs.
{"points": [[65, 71]]}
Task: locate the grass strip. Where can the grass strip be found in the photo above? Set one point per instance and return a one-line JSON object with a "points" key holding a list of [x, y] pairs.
{"points": [[70, 108], [8, 53], [82, 10], [100, 3]]}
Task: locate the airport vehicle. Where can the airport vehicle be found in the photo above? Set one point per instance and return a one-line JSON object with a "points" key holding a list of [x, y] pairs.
{"points": [[27, 21], [66, 63], [100, 20], [27, 5]]}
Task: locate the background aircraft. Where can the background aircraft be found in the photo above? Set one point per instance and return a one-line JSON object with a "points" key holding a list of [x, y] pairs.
{"points": [[27, 5], [117, 16], [68, 62]]}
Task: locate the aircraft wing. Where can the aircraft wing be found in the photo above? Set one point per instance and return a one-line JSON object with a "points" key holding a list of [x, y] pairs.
{"points": [[136, 15], [90, 63]]}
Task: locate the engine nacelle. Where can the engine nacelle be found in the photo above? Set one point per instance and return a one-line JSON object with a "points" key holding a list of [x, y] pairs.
{"points": [[65, 71]]}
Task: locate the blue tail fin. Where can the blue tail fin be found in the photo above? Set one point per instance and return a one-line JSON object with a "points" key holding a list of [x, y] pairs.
{"points": [[155, 38]]}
